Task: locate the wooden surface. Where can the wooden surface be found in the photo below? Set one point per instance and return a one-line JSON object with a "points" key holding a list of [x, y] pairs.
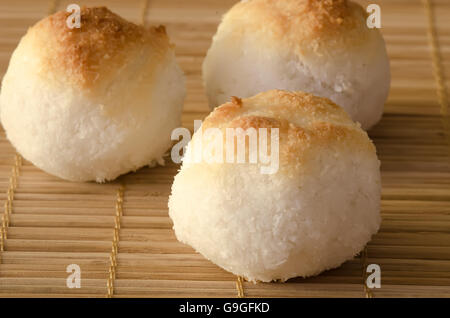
{"points": [[54, 223]]}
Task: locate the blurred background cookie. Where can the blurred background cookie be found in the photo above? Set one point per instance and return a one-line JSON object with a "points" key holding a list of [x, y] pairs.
{"points": [[321, 47]]}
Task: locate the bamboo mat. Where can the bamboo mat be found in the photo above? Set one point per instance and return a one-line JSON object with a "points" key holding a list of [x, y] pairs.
{"points": [[120, 234]]}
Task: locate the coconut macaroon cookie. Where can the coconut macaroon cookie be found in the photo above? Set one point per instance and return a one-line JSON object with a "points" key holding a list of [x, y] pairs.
{"points": [[94, 102], [321, 47], [317, 210]]}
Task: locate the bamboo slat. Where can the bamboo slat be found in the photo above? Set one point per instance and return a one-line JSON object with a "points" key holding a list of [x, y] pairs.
{"points": [[120, 234]]}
